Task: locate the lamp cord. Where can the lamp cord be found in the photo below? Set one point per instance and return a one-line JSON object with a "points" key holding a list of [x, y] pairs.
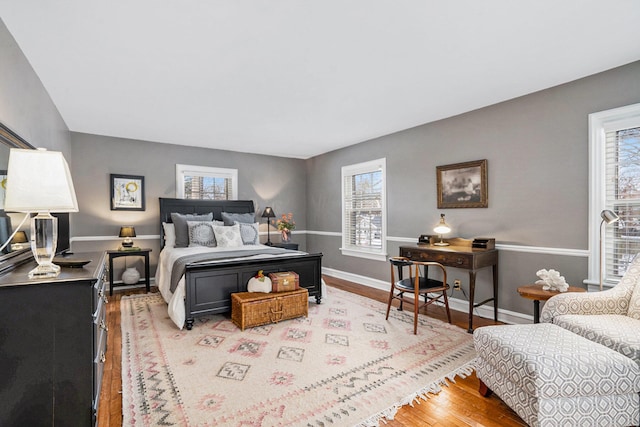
{"points": [[27, 215]]}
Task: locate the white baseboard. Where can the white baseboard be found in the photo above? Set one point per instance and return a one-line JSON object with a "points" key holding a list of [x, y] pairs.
{"points": [[506, 316]]}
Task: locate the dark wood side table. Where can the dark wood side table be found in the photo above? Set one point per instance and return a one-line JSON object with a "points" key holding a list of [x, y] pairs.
{"points": [[140, 252], [537, 294], [465, 257], [289, 245]]}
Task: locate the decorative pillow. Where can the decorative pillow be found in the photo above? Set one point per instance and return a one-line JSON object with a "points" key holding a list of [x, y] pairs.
{"points": [[231, 218], [201, 233], [228, 237], [249, 233], [182, 231], [169, 234]]}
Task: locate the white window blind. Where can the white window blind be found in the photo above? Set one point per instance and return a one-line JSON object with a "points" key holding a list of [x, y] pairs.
{"points": [[364, 209], [202, 182], [622, 189], [614, 184]]}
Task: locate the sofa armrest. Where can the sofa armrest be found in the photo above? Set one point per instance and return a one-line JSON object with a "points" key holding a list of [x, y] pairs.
{"points": [[611, 301]]}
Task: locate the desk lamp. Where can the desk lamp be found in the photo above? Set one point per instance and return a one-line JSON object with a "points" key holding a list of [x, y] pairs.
{"points": [[442, 228], [268, 213], [608, 217], [39, 181]]}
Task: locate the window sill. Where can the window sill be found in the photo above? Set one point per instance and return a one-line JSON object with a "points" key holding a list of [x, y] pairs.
{"points": [[364, 254]]}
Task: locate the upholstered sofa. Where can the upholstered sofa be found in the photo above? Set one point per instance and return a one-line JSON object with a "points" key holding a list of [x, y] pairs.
{"points": [[580, 366]]}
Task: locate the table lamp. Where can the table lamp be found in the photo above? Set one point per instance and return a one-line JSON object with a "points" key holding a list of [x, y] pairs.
{"points": [[268, 213], [39, 181], [127, 232], [18, 241], [442, 228], [608, 217]]}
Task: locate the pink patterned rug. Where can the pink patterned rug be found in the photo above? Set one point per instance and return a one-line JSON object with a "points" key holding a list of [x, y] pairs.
{"points": [[344, 365]]}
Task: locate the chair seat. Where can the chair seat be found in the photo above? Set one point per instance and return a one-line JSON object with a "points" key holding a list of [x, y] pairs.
{"points": [[426, 285]]}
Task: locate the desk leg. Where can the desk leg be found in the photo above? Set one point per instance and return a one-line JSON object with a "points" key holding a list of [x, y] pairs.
{"points": [[146, 271], [110, 276], [536, 311], [472, 291]]}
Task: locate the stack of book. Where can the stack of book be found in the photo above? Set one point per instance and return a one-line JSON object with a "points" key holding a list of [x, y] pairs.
{"points": [[130, 248]]}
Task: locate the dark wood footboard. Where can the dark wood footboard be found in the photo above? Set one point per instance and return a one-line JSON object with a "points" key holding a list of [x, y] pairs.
{"points": [[209, 287]]}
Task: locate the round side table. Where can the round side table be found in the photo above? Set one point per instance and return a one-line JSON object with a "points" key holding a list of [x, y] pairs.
{"points": [[537, 294]]}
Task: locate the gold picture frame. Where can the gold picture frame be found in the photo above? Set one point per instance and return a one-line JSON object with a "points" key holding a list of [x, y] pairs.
{"points": [[463, 185]]}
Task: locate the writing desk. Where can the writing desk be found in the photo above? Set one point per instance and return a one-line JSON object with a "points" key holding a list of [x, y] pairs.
{"points": [[460, 254]]}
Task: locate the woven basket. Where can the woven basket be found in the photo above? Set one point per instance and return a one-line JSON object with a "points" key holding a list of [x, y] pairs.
{"points": [[249, 309]]}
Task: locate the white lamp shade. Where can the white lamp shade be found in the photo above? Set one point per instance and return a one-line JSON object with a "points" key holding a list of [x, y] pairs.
{"points": [[39, 181]]}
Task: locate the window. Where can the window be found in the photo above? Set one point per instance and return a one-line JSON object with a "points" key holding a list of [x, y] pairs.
{"points": [[615, 185], [364, 213], [202, 182]]}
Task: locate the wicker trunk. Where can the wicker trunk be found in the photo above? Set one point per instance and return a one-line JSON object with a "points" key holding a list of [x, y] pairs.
{"points": [[250, 309]]}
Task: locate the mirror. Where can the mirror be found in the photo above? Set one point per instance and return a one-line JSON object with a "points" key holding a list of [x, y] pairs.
{"points": [[8, 258]]}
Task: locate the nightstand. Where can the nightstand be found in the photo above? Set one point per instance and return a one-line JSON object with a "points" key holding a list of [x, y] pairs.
{"points": [[292, 246], [138, 252]]}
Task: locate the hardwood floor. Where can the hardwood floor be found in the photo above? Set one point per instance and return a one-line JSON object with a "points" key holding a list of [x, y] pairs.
{"points": [[458, 404]]}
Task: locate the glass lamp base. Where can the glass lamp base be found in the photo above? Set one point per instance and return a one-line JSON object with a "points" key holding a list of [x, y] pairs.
{"points": [[44, 271]]}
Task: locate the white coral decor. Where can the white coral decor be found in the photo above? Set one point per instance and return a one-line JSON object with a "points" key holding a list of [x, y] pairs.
{"points": [[551, 280]]}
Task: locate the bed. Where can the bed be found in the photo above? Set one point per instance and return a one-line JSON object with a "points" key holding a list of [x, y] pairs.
{"points": [[206, 285]]}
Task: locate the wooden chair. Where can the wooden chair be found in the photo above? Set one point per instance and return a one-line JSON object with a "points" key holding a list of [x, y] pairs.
{"points": [[432, 290]]}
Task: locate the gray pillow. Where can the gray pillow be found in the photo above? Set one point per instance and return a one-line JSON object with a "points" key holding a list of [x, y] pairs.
{"points": [[231, 218], [201, 233], [249, 233], [182, 230]]}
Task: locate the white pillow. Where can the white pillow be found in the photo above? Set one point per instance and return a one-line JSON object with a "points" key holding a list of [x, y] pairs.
{"points": [[169, 234], [249, 233], [201, 233], [228, 237]]}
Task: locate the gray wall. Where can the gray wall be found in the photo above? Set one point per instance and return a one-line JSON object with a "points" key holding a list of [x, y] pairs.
{"points": [[25, 105], [267, 180], [537, 152]]}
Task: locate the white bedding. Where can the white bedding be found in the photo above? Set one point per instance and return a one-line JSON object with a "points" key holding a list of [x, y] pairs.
{"points": [[169, 255]]}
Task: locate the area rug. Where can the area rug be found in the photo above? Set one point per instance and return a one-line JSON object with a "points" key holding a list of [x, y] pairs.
{"points": [[343, 365]]}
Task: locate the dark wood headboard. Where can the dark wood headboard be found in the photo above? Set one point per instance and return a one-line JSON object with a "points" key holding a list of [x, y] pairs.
{"points": [[191, 206]]}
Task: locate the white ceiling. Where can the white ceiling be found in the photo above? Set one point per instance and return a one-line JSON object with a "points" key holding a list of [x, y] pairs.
{"points": [[298, 78]]}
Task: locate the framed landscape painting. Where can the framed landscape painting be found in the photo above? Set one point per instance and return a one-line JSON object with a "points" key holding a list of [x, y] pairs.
{"points": [[127, 192], [463, 185]]}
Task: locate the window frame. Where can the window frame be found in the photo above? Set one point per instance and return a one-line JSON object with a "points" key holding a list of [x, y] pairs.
{"points": [[599, 124], [205, 171], [356, 169]]}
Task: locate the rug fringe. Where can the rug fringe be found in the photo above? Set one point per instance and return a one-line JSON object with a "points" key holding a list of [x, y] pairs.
{"points": [[422, 394]]}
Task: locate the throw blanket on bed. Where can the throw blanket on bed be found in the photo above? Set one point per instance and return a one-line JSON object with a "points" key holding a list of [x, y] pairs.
{"points": [[180, 265]]}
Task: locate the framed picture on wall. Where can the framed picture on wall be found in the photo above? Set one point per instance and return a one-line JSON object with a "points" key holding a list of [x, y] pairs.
{"points": [[127, 192], [463, 185]]}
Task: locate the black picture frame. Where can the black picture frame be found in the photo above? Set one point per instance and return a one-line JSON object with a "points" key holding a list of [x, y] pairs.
{"points": [[463, 185], [127, 192]]}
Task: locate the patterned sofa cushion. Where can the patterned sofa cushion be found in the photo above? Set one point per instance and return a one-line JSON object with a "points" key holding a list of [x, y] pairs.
{"points": [[634, 303], [619, 333]]}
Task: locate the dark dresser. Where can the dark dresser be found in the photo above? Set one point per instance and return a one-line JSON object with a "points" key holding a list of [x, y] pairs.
{"points": [[53, 338]]}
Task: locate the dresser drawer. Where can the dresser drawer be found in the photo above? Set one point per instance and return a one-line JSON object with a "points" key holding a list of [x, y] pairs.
{"points": [[98, 367]]}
